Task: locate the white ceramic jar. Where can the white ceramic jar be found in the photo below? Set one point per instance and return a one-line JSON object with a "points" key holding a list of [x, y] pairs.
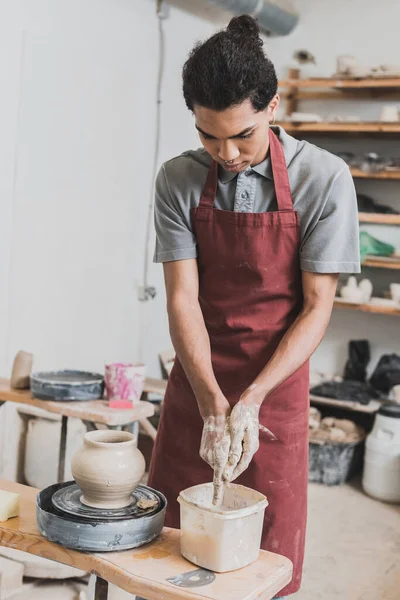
{"points": [[381, 477], [108, 468]]}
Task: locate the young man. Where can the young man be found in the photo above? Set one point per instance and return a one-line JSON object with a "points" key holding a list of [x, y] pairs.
{"points": [[252, 230]]}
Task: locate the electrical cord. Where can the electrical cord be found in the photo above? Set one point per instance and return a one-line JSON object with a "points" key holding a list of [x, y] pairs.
{"points": [[147, 292]]}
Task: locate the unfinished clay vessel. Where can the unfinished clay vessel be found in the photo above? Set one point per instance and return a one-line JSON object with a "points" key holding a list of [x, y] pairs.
{"points": [[108, 468], [21, 370]]}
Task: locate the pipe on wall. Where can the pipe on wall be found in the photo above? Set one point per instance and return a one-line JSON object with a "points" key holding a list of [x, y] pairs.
{"points": [[274, 18]]}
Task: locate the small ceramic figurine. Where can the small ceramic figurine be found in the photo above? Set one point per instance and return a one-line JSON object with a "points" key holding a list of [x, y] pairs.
{"points": [[21, 370], [360, 293], [108, 468]]}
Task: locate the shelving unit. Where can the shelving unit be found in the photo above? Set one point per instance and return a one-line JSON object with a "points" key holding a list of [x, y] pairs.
{"points": [[370, 408], [366, 127], [382, 262], [294, 89], [385, 175], [369, 308], [379, 218]]}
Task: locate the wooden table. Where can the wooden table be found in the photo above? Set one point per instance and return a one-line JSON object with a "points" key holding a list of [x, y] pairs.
{"points": [[90, 412], [146, 571]]}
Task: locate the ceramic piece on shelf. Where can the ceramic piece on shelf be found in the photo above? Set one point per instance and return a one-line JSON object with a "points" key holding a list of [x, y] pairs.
{"points": [[108, 468], [21, 370], [357, 293], [396, 393], [124, 381], [334, 118], [395, 292], [366, 287], [385, 71], [303, 117], [389, 113], [372, 162], [349, 66]]}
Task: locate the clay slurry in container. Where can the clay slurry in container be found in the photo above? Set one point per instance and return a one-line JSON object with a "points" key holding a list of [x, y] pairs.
{"points": [[222, 538], [108, 468]]}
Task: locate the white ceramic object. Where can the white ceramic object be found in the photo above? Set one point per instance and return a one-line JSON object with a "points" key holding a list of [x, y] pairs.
{"points": [[349, 66], [306, 117], [389, 113], [222, 538], [21, 370], [366, 288], [396, 393], [108, 468], [381, 477], [124, 381], [346, 64], [357, 293], [395, 291]]}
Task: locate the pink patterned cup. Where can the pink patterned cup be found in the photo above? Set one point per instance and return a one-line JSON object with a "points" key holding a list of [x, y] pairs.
{"points": [[124, 381]]}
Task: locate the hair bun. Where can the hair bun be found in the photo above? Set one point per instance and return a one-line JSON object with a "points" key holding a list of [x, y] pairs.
{"points": [[244, 26]]}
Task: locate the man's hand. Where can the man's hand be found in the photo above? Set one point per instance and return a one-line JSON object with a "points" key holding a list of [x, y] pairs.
{"points": [[243, 427], [214, 450]]}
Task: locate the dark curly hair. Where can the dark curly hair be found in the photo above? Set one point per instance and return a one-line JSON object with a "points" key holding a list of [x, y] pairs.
{"points": [[229, 68]]}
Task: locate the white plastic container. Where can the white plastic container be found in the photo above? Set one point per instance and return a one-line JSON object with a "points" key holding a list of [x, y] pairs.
{"points": [[381, 478], [221, 538]]}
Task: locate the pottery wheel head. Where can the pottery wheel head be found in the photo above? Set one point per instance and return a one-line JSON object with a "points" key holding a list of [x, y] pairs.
{"points": [[145, 502]]}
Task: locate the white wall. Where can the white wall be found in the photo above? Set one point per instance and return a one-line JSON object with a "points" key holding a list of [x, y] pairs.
{"points": [[78, 121], [77, 108]]}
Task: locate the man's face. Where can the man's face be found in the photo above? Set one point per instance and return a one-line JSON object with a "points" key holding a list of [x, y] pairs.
{"points": [[238, 134]]}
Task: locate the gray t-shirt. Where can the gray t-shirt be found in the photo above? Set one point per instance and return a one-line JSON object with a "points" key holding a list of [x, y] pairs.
{"points": [[323, 195]]}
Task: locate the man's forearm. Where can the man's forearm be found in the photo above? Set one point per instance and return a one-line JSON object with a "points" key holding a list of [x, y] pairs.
{"points": [[295, 348], [192, 345]]}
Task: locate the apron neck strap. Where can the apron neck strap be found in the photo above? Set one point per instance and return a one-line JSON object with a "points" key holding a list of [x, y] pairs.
{"points": [[279, 173], [210, 188]]}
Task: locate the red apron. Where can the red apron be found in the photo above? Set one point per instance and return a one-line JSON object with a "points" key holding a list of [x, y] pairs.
{"points": [[250, 293]]}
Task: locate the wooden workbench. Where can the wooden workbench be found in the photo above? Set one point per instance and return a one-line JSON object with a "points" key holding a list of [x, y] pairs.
{"points": [[145, 571], [90, 412]]}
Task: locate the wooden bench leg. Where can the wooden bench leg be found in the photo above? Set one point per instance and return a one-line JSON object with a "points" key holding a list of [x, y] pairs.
{"points": [[63, 445], [101, 589]]}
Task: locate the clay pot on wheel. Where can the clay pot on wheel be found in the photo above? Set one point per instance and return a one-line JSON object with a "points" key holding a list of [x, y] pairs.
{"points": [[108, 468]]}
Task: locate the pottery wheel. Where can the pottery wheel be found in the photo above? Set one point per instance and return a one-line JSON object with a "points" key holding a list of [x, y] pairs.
{"points": [[68, 500], [70, 523]]}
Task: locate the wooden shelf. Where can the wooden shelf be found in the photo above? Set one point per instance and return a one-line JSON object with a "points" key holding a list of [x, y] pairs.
{"points": [[379, 218], [369, 308], [392, 175], [369, 83], [381, 262], [370, 408], [340, 127]]}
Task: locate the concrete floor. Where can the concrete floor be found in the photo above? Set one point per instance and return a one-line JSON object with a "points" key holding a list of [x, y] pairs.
{"points": [[353, 550]]}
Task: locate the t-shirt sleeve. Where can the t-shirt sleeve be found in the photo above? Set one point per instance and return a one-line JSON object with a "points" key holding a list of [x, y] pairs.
{"points": [[175, 239], [332, 246]]}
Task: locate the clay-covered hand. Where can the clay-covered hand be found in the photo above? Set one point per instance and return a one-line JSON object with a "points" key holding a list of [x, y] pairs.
{"points": [[244, 427], [214, 450]]}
